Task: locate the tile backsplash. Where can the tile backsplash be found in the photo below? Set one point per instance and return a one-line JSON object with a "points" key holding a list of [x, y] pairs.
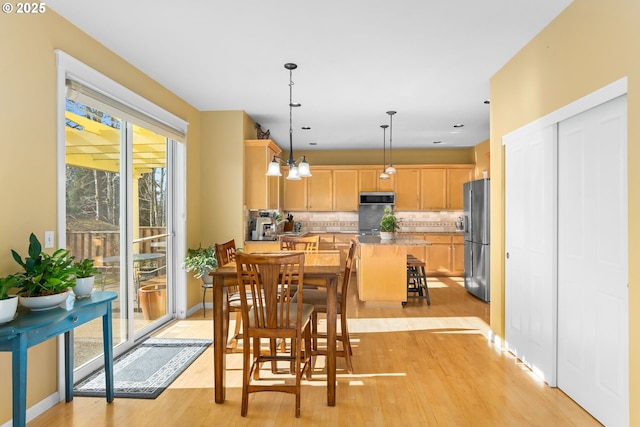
{"points": [[409, 221]]}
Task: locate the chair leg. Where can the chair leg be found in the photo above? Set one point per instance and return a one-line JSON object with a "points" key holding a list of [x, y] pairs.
{"points": [[246, 378]]}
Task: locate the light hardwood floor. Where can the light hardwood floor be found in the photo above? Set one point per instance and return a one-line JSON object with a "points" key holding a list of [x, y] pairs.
{"points": [[417, 366]]}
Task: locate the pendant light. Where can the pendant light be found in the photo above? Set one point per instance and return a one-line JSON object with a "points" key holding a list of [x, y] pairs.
{"points": [[390, 169], [384, 175], [295, 172]]}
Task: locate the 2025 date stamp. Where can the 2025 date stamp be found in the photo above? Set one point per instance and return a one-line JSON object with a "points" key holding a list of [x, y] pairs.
{"points": [[32, 8]]}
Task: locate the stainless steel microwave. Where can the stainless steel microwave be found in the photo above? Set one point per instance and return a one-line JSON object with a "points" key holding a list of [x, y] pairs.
{"points": [[377, 198]]}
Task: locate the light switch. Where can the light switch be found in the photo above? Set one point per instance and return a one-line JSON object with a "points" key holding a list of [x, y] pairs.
{"points": [[48, 239]]}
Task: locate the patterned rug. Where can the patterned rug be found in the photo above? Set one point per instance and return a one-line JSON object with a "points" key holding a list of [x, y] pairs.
{"points": [[147, 369]]}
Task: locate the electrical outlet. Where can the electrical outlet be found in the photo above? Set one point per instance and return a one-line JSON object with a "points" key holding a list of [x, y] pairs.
{"points": [[48, 239]]}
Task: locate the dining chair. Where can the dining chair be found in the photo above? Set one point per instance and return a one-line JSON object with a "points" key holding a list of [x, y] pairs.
{"points": [[226, 253], [268, 313], [300, 243], [318, 297]]}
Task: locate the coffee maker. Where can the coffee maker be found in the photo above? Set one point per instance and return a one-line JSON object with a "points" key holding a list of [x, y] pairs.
{"points": [[264, 229]]}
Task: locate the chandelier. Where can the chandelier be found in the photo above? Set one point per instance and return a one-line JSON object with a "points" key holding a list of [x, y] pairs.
{"points": [[295, 172]]}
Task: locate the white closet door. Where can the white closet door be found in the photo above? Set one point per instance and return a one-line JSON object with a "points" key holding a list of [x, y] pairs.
{"points": [[593, 323], [530, 287]]}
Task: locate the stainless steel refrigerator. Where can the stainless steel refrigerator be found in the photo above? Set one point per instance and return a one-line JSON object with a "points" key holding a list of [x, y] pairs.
{"points": [[476, 238]]}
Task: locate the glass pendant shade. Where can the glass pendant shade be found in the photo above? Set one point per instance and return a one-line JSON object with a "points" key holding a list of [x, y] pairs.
{"points": [[274, 168], [293, 173], [384, 175], [390, 170], [303, 168]]}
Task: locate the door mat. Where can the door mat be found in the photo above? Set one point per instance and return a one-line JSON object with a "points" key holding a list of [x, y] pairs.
{"points": [[147, 369]]}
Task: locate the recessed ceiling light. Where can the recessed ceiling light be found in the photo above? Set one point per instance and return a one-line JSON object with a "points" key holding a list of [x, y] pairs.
{"points": [[458, 125], [305, 128], [437, 142], [487, 101], [313, 143]]}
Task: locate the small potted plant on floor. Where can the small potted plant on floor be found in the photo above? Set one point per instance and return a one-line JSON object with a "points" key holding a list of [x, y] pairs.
{"points": [[201, 261], [8, 303], [45, 278], [388, 225], [85, 273]]}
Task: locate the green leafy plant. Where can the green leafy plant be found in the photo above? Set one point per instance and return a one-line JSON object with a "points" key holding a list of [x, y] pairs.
{"points": [[389, 222], [200, 261], [43, 274], [6, 284], [85, 268]]}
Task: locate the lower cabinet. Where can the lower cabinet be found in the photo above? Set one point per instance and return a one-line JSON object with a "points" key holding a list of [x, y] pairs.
{"points": [[445, 255]]}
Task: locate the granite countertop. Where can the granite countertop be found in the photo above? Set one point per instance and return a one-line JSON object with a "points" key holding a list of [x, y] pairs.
{"points": [[398, 241]]}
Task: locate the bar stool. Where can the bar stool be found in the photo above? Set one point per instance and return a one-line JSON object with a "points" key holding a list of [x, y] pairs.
{"points": [[416, 280]]}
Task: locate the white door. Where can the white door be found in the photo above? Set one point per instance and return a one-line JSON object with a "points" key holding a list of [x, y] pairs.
{"points": [[592, 261], [530, 288]]}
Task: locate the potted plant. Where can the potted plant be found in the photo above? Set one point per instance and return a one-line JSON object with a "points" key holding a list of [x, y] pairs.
{"points": [[8, 303], [201, 261], [85, 273], [388, 225], [45, 279]]}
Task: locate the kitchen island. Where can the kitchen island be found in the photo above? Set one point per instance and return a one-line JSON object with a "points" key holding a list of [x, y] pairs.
{"points": [[382, 267]]}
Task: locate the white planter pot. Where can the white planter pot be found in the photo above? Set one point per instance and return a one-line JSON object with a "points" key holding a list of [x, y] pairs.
{"points": [[8, 308], [84, 286], [387, 235], [46, 302]]}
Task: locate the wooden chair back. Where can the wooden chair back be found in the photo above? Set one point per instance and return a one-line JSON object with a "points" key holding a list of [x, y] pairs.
{"points": [[300, 243], [225, 252], [269, 282]]}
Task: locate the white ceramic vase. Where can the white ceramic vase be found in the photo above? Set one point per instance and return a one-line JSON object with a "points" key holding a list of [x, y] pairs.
{"points": [[84, 286], [8, 308], [46, 302], [387, 235]]}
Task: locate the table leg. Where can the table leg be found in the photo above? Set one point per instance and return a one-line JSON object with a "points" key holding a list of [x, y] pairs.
{"points": [[19, 363], [68, 365], [107, 340], [220, 333], [331, 340]]}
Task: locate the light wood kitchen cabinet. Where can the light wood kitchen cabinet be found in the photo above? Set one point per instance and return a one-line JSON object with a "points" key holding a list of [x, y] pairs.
{"points": [[445, 255], [457, 255], [408, 189], [261, 191], [455, 179], [369, 180], [441, 188], [320, 190], [345, 190], [295, 194], [433, 189]]}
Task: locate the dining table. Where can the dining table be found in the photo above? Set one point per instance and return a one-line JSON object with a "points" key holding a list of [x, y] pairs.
{"points": [[320, 269]]}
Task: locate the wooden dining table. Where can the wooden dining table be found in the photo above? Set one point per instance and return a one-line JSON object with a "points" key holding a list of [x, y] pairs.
{"points": [[319, 269]]}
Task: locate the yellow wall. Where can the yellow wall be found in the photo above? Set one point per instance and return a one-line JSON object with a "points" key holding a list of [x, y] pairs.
{"points": [[591, 44], [28, 149], [374, 157], [481, 158]]}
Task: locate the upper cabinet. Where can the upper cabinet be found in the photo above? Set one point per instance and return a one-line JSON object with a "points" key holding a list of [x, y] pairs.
{"points": [[418, 187], [345, 190], [441, 187], [260, 191]]}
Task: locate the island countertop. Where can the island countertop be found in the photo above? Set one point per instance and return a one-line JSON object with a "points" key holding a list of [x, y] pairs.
{"points": [[398, 241]]}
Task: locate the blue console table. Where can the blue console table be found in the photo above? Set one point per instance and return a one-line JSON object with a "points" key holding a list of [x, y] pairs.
{"points": [[33, 327]]}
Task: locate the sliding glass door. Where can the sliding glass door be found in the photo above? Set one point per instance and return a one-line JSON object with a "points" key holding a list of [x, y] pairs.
{"points": [[118, 183]]}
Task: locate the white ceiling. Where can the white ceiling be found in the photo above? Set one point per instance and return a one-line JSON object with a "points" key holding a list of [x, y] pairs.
{"points": [[429, 60]]}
